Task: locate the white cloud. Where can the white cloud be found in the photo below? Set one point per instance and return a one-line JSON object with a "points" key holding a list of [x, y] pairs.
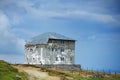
{"points": [[91, 10], [8, 40], [88, 12], [4, 22]]}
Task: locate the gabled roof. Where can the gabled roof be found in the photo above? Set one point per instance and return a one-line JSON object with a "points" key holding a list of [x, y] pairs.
{"points": [[43, 38]]}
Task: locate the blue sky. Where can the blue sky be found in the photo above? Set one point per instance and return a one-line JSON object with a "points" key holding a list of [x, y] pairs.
{"points": [[95, 24]]}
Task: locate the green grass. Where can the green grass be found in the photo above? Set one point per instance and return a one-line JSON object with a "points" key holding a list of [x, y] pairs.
{"points": [[7, 72], [70, 76], [103, 79]]}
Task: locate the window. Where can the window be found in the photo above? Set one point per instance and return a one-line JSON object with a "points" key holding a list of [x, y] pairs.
{"points": [[36, 46], [49, 49], [31, 49], [50, 41], [62, 58], [62, 42], [57, 59], [55, 41], [70, 58], [55, 49], [62, 50], [52, 49]]}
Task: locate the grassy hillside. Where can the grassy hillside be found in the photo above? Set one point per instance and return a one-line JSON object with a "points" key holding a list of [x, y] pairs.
{"points": [[81, 74], [7, 72]]}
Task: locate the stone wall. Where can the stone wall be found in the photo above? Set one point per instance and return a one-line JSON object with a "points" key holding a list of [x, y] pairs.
{"points": [[62, 66], [63, 51]]}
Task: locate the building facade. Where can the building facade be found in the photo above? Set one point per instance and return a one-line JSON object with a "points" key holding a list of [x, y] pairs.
{"points": [[50, 48]]}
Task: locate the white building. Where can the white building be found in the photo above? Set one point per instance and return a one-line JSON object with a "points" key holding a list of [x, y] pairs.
{"points": [[50, 48]]}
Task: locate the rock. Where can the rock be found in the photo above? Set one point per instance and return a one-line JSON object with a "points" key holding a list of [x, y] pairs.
{"points": [[18, 77]]}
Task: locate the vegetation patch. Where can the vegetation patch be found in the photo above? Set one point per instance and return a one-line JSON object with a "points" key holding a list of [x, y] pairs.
{"points": [[7, 72], [81, 75]]}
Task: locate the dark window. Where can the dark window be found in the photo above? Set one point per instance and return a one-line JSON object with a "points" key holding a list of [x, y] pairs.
{"points": [[55, 41], [62, 42], [50, 41], [36, 46], [62, 58], [57, 59], [55, 49], [62, 50], [70, 58], [52, 49], [31, 49], [33, 58]]}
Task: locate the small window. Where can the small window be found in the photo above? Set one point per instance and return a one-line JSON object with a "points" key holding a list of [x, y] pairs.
{"points": [[62, 50], [52, 49], [55, 41], [36, 46], [55, 49], [62, 42], [31, 49], [62, 58], [57, 59], [50, 41]]}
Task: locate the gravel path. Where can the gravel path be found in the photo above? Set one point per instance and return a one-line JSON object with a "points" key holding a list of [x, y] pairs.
{"points": [[36, 74]]}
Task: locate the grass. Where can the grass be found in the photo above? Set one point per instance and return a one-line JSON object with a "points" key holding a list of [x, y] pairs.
{"points": [[74, 75], [111, 76], [7, 72]]}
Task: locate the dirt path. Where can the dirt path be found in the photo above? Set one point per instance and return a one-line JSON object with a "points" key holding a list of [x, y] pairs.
{"points": [[36, 74]]}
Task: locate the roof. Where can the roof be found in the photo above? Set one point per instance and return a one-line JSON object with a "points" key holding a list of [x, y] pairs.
{"points": [[43, 38]]}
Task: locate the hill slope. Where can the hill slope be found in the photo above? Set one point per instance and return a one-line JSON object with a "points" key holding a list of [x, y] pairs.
{"points": [[35, 73], [45, 73], [31, 72], [7, 72]]}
